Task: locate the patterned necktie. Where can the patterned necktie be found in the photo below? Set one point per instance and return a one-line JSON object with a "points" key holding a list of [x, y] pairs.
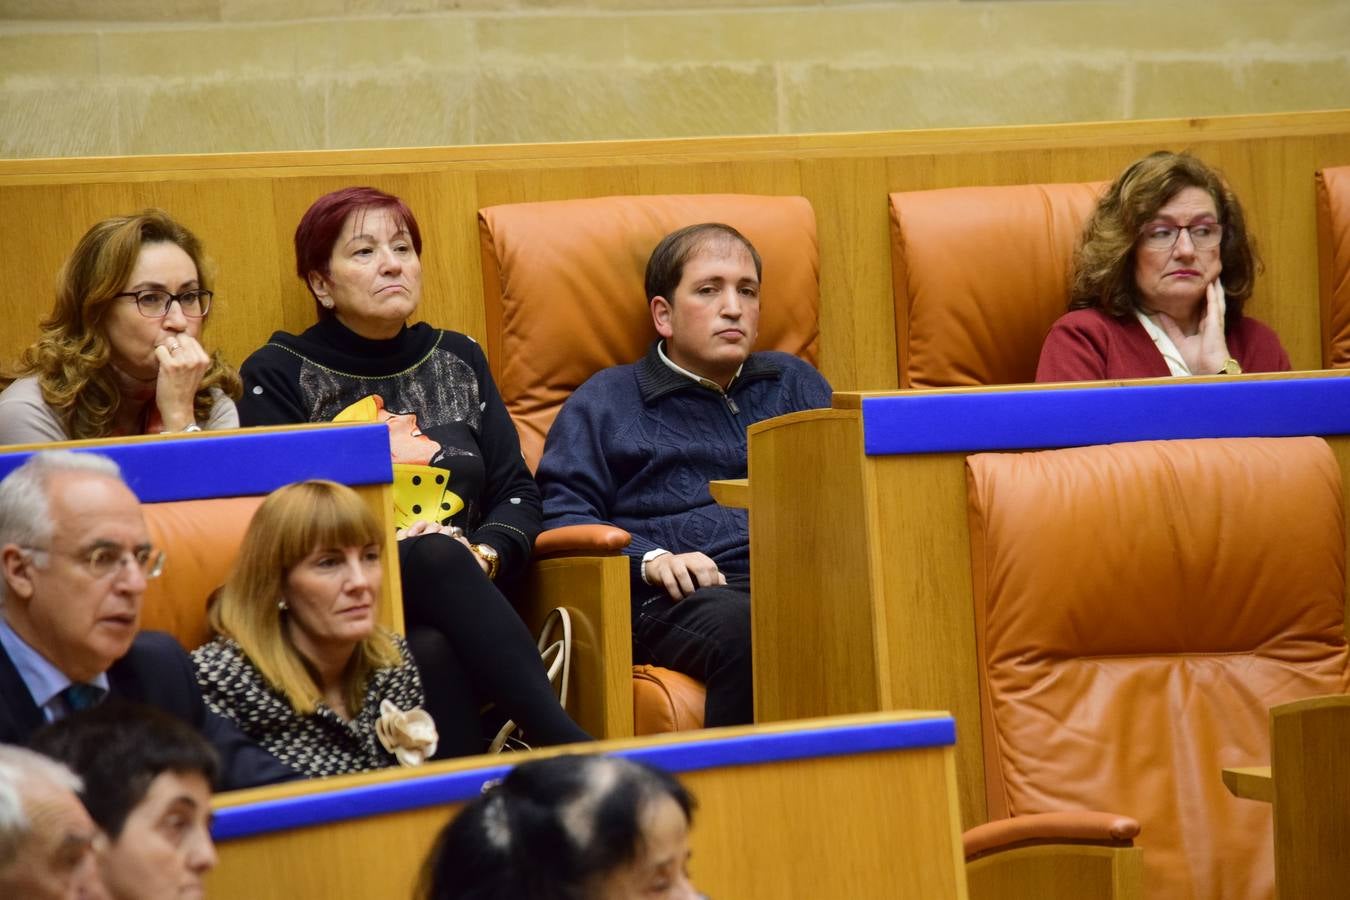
{"points": [[82, 696]]}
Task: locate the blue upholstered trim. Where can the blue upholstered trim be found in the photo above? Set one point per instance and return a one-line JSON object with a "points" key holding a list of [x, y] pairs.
{"points": [[243, 463], [1076, 417], [687, 756]]}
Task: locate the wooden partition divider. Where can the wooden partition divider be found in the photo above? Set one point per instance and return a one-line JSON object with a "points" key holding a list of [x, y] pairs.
{"points": [[860, 544], [245, 208], [199, 492], [1308, 782], [861, 807], [594, 589], [190, 484]]}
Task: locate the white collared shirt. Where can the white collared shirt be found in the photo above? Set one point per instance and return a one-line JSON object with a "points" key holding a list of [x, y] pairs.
{"points": [[1175, 364], [676, 367]]}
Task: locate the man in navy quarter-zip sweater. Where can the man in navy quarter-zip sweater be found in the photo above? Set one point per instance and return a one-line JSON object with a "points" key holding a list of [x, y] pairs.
{"points": [[636, 445]]}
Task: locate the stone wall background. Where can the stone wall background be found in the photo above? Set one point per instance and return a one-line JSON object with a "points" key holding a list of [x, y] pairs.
{"points": [[114, 77]]}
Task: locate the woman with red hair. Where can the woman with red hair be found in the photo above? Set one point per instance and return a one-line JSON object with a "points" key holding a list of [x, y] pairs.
{"points": [[476, 507]]}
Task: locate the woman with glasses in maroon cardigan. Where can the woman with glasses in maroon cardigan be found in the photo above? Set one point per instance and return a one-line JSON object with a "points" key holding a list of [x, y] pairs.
{"points": [[120, 353], [1159, 283]]}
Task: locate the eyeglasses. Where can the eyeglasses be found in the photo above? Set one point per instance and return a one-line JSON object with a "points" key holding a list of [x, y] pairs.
{"points": [[155, 304], [1162, 236], [102, 560]]}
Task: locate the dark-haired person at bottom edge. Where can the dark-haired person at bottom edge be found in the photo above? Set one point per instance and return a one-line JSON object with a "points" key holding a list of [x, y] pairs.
{"points": [[1160, 279], [568, 828], [147, 785], [636, 445], [74, 559]]}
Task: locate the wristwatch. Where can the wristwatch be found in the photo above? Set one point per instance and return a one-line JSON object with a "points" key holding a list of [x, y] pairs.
{"points": [[1230, 367], [489, 556]]}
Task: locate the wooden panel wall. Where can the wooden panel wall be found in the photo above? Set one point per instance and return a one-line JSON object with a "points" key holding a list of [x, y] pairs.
{"points": [[245, 206]]}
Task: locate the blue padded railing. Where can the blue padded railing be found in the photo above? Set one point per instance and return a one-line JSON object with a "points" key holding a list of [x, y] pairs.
{"points": [[694, 754], [243, 463], [1079, 417]]}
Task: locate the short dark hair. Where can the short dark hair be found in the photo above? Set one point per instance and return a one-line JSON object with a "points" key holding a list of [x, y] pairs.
{"points": [[517, 841], [322, 223], [119, 748], [1103, 271], [665, 267]]}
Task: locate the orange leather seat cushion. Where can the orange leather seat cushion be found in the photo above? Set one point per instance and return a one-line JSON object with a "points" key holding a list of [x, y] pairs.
{"points": [[665, 700], [200, 540], [1333, 264], [980, 274], [1139, 608], [563, 286]]}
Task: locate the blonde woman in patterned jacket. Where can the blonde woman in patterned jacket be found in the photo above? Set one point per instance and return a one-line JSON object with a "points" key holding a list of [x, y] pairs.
{"points": [[299, 662]]}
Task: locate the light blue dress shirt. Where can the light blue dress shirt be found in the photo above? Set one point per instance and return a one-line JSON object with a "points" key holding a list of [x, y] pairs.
{"points": [[45, 681]]}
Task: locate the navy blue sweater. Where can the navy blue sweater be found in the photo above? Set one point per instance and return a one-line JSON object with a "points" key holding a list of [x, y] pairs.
{"points": [[635, 446]]}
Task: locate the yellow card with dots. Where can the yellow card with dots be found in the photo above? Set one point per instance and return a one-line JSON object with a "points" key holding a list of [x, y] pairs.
{"points": [[422, 494]]}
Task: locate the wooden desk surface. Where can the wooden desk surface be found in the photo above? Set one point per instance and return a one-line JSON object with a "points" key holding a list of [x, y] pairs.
{"points": [[733, 492], [1252, 783], [770, 821]]}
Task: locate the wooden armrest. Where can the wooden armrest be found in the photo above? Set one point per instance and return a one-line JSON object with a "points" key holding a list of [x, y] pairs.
{"points": [[731, 492], [594, 588], [581, 539], [1079, 827], [1253, 783]]}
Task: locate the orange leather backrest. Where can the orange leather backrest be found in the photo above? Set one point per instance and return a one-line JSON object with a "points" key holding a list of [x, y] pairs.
{"points": [[200, 540], [1139, 608], [980, 274], [564, 295], [1333, 264]]}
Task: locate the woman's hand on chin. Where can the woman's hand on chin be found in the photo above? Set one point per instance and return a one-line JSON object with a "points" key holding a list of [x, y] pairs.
{"points": [[1206, 351], [182, 363]]}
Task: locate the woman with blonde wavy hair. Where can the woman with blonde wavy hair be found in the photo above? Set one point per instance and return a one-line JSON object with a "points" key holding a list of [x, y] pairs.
{"points": [[120, 352], [299, 662]]}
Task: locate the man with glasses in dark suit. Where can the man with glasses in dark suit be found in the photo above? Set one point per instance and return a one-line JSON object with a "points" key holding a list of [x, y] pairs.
{"points": [[75, 557]]}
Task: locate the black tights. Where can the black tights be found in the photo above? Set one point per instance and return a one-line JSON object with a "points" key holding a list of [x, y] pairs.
{"points": [[471, 647]]}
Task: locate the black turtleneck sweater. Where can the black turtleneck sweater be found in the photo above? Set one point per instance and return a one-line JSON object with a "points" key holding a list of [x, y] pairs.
{"points": [[441, 377]]}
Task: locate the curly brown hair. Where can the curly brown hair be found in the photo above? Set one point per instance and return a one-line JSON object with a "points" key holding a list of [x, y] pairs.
{"points": [[1103, 270], [72, 352]]}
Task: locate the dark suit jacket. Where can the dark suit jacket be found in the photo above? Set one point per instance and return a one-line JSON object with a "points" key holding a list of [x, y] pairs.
{"points": [[157, 672]]}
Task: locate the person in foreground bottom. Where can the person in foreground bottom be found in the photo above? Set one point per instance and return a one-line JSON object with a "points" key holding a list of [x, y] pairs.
{"points": [[568, 828]]}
